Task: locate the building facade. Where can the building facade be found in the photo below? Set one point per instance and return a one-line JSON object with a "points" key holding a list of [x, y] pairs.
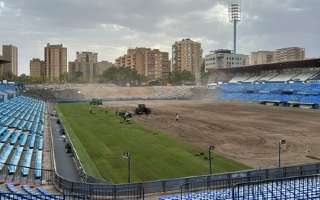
{"points": [[261, 57], [86, 66], [151, 63], [289, 54], [85, 63], [37, 68], [187, 55], [55, 57], [10, 53], [224, 58]]}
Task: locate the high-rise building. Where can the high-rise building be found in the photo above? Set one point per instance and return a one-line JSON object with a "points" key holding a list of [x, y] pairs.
{"points": [[55, 57], [261, 57], [187, 55], [37, 68], [157, 65], [153, 64], [85, 63], [10, 53], [86, 66], [289, 54], [224, 58]]}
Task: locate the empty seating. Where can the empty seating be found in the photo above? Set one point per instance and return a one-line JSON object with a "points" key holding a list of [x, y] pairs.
{"points": [[5, 155], [27, 162], [38, 164], [298, 93], [15, 160]]}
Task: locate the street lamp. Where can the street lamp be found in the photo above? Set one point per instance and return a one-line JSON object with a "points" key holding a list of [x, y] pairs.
{"points": [[281, 142], [211, 148], [127, 156]]}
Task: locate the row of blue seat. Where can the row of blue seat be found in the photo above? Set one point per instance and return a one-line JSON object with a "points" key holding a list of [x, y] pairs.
{"points": [[15, 160], [270, 97], [27, 193], [289, 190], [22, 139], [305, 88]]}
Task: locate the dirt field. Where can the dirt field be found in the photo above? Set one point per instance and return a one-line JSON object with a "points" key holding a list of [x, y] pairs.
{"points": [[248, 133]]}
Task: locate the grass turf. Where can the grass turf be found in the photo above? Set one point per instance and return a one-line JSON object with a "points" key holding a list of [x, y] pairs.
{"points": [[100, 140]]}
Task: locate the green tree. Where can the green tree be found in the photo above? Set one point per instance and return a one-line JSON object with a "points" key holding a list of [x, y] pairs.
{"points": [[122, 76], [183, 77]]}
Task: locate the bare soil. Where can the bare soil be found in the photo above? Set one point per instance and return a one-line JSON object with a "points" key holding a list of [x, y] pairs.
{"points": [[248, 133]]}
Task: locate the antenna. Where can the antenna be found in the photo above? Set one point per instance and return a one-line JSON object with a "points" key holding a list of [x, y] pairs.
{"points": [[234, 17]]}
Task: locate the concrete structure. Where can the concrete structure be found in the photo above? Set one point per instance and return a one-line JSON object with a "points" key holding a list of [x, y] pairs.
{"points": [[224, 58], [153, 64], [37, 68], [187, 55], [261, 57], [289, 54], [55, 61], [10, 53]]}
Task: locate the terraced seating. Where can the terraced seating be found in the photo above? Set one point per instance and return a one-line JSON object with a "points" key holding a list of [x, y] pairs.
{"points": [[27, 162], [15, 160], [289, 190], [288, 93], [5, 155], [38, 164]]}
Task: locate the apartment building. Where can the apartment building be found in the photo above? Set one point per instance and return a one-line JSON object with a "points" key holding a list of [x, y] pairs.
{"points": [[151, 63], [55, 57], [37, 68], [10, 53], [187, 55], [261, 57], [289, 54]]}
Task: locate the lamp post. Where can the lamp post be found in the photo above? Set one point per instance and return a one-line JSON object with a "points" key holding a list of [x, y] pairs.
{"points": [[211, 148], [127, 156], [281, 142]]}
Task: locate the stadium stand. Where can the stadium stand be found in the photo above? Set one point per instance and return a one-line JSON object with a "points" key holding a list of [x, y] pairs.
{"points": [[291, 188], [22, 130], [295, 94]]}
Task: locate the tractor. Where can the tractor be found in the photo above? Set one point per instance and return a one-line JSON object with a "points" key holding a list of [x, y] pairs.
{"points": [[142, 109]]}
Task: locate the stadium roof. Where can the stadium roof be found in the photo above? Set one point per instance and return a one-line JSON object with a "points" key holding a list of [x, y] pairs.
{"points": [[309, 63]]}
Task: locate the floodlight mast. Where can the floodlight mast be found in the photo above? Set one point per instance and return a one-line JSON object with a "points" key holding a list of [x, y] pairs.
{"points": [[234, 9]]}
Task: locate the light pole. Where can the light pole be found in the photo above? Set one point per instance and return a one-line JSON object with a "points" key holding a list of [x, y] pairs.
{"points": [[127, 156], [211, 148], [281, 142]]}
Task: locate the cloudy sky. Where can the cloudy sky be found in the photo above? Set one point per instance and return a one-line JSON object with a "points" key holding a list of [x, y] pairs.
{"points": [[110, 26]]}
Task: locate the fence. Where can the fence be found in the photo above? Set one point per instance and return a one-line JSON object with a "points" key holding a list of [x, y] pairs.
{"points": [[140, 190]]}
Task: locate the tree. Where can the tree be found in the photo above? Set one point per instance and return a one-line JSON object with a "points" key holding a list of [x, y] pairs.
{"points": [[183, 77], [122, 76]]}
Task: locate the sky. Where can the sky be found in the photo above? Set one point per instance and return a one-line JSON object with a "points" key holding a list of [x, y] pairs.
{"points": [[109, 27]]}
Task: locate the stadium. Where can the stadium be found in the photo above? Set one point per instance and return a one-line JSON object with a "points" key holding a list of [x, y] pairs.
{"points": [[253, 136]]}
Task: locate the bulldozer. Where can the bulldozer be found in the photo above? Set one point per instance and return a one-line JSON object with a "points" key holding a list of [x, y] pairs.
{"points": [[142, 109]]}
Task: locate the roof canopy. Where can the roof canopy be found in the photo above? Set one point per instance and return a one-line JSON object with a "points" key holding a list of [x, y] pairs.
{"points": [[310, 63]]}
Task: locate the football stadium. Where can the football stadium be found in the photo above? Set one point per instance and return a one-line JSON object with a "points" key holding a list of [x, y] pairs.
{"points": [[252, 136]]}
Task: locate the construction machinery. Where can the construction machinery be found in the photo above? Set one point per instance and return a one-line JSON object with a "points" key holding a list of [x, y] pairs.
{"points": [[142, 109]]}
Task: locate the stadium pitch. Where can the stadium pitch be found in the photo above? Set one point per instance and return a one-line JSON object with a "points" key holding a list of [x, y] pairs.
{"points": [[100, 140]]}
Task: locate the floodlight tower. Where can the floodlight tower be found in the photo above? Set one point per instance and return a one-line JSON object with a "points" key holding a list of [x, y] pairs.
{"points": [[234, 17]]}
